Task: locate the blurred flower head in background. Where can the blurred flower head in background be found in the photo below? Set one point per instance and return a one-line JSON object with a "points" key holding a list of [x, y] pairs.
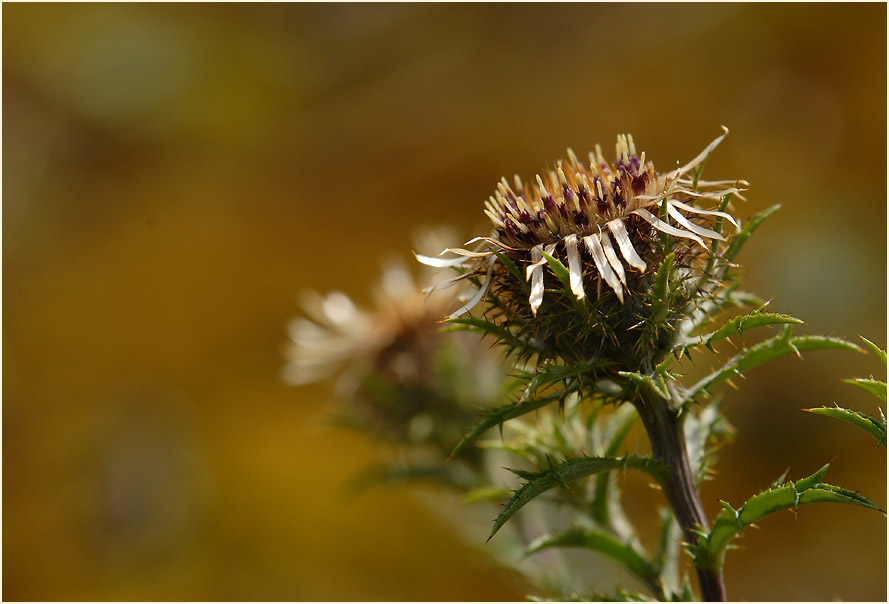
{"points": [[400, 376]]}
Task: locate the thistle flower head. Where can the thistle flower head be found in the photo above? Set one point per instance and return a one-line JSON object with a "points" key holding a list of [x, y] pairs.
{"points": [[596, 230], [394, 364], [335, 333]]}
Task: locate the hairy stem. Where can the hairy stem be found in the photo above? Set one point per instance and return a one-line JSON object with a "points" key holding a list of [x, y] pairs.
{"points": [[664, 427]]}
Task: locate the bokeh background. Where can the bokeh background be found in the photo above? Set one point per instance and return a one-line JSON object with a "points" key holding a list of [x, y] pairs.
{"points": [[174, 175]]}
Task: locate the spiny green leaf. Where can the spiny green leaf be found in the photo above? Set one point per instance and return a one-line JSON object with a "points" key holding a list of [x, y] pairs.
{"points": [[488, 328], [739, 324], [872, 426], [498, 415], [544, 377], [551, 373], [806, 483], [698, 311], [765, 351], [875, 387], [559, 269], [512, 268], [655, 382], [567, 472], [601, 542], [659, 297], [710, 549], [778, 481], [877, 350], [738, 241]]}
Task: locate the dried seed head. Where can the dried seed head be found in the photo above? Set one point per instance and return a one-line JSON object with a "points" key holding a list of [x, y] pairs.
{"points": [[611, 223], [397, 373]]}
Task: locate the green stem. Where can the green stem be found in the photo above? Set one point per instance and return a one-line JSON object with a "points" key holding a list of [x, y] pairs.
{"points": [[664, 427]]}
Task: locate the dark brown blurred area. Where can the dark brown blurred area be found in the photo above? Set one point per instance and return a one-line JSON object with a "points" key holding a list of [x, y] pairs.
{"points": [[173, 175]]}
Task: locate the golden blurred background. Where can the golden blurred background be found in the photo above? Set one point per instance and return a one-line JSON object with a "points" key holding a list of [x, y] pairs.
{"points": [[174, 174]]}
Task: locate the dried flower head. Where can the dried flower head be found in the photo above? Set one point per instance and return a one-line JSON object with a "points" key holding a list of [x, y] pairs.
{"points": [[394, 363], [335, 333], [609, 222]]}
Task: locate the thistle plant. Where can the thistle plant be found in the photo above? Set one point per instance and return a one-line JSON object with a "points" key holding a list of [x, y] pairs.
{"points": [[597, 279], [399, 377]]}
